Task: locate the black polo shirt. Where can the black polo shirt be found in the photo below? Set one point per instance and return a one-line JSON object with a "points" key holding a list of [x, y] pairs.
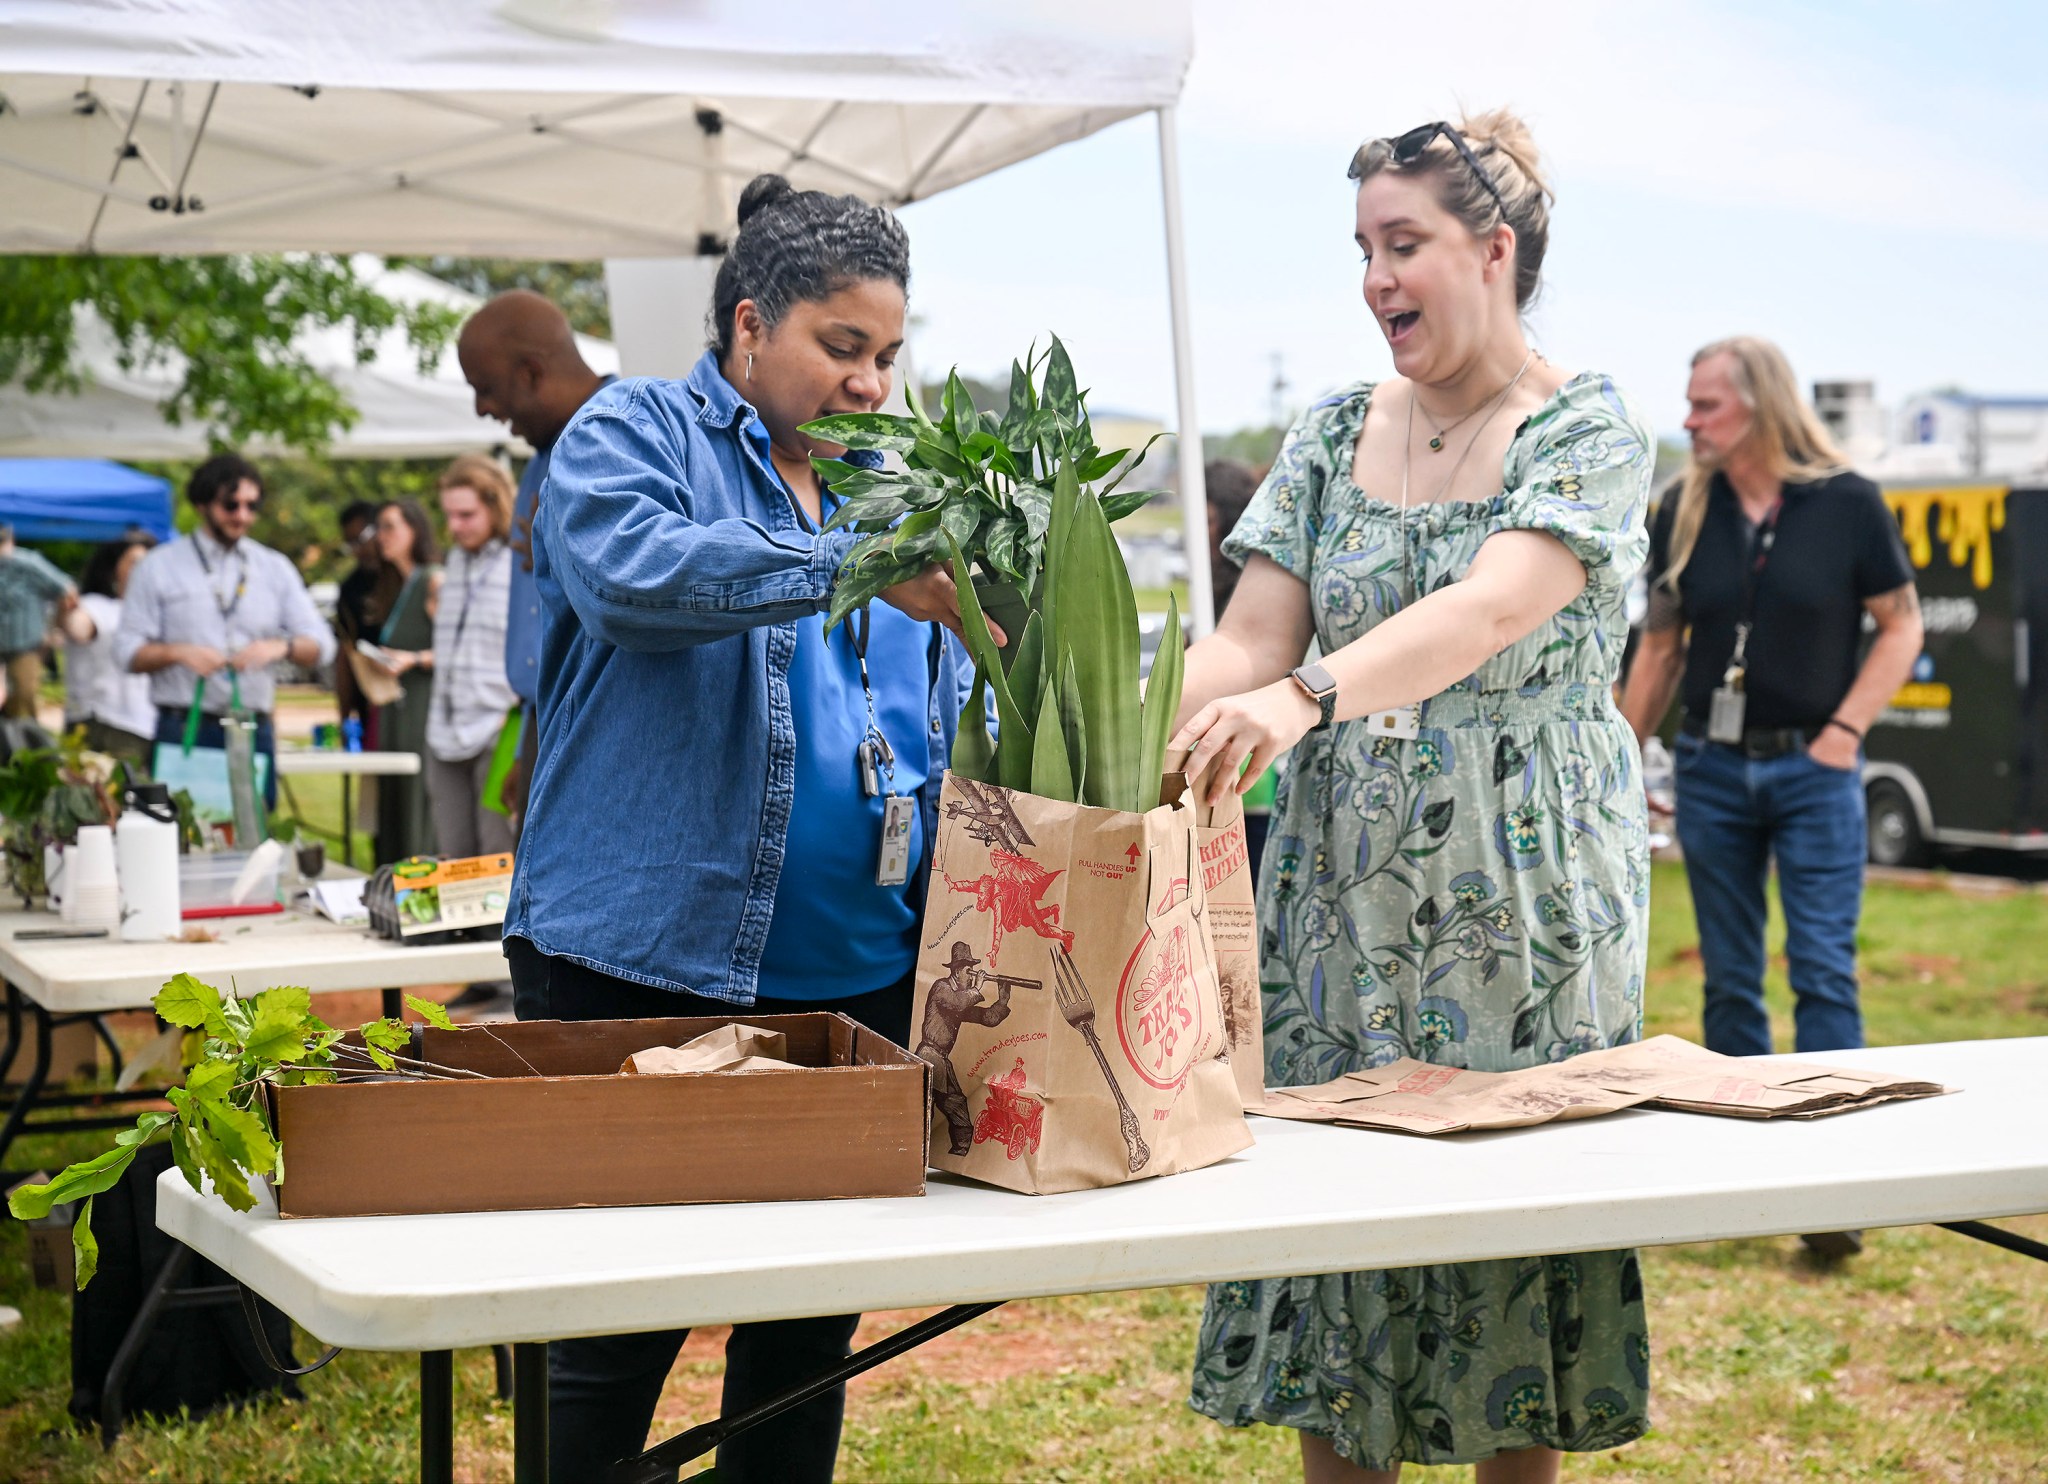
{"points": [[1837, 545]]}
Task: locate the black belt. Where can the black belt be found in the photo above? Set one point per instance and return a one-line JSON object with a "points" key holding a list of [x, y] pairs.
{"points": [[1759, 742]]}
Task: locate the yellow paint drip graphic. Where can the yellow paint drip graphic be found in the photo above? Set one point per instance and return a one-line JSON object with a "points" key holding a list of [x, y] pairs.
{"points": [[1963, 520]]}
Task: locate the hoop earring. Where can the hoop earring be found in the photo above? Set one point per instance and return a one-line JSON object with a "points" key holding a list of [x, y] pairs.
{"points": [[750, 365]]}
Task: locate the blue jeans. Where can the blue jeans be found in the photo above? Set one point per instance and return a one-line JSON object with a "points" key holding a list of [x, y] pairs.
{"points": [[1734, 815]]}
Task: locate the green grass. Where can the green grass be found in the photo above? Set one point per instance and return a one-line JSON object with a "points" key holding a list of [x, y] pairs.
{"points": [[1925, 1359]]}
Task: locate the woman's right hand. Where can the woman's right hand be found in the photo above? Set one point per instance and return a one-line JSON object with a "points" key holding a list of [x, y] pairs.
{"points": [[932, 597]]}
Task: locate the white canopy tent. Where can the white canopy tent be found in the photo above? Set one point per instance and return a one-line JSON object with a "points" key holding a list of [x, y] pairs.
{"points": [[405, 412], [552, 128]]}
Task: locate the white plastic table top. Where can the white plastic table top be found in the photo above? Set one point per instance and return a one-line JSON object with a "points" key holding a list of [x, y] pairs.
{"points": [[72, 975], [1306, 1198], [301, 762]]}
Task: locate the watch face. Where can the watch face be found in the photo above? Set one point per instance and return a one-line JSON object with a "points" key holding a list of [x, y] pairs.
{"points": [[1318, 680]]}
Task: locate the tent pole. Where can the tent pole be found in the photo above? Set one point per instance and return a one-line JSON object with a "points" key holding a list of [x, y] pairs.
{"points": [[1194, 494]]}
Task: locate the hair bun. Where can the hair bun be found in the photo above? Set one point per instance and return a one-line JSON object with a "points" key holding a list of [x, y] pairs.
{"points": [[1505, 131], [763, 190]]}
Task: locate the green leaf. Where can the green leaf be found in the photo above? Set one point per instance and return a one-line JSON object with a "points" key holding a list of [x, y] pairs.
{"points": [[974, 751], [1074, 725], [1027, 661], [1013, 747], [881, 431], [1052, 770], [87, 1177], [1093, 469], [1162, 698], [276, 1033], [286, 997], [1133, 464], [211, 1079], [433, 1014], [387, 1033], [1003, 538], [181, 1155], [242, 1136], [1097, 620], [957, 407], [187, 1002], [85, 1248], [229, 1181], [1062, 392], [1116, 507]]}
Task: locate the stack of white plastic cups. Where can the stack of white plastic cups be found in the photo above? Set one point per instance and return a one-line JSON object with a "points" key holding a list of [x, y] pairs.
{"points": [[92, 886]]}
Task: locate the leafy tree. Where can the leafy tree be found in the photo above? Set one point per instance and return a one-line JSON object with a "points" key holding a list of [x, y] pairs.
{"points": [[229, 321], [577, 288]]}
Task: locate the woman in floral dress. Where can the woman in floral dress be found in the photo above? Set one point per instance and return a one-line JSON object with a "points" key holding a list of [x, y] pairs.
{"points": [[1467, 883]]}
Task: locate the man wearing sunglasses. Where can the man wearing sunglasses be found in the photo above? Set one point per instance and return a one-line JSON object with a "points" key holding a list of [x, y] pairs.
{"points": [[218, 608]]}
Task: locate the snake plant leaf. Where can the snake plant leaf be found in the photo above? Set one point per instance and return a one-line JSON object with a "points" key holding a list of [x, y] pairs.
{"points": [[1027, 662], [1013, 746], [1162, 696], [1073, 725], [1052, 770], [974, 751], [1097, 621], [883, 432]]}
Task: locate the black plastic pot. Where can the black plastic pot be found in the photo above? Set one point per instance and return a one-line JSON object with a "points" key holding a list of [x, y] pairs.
{"points": [[1004, 603]]}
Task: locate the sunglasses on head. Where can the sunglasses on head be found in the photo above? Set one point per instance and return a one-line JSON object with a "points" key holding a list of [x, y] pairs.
{"points": [[1407, 149]]}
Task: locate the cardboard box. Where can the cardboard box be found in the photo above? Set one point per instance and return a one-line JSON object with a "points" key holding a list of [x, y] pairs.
{"points": [[552, 1123]]}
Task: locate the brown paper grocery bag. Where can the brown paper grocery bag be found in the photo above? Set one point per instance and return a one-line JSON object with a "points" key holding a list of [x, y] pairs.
{"points": [[1233, 929], [1067, 996]]}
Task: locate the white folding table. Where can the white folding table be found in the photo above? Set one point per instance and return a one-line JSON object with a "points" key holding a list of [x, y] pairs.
{"points": [[1306, 1198], [309, 762], [64, 980]]}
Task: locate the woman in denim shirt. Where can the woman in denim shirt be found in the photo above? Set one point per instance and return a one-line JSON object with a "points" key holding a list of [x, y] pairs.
{"points": [[700, 840]]}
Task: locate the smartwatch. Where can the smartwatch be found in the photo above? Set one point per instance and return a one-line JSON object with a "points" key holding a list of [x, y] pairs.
{"points": [[1321, 687]]}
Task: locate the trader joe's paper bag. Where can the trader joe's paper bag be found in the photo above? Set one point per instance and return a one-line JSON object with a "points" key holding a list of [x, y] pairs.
{"points": [[1067, 995], [1233, 928]]}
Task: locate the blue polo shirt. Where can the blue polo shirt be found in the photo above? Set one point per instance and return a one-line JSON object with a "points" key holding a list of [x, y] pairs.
{"points": [[834, 932]]}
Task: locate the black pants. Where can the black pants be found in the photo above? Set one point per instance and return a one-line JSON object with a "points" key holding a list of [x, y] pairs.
{"points": [[602, 1392]]}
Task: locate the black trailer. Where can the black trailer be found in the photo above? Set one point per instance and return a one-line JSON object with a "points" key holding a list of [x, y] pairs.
{"points": [[1960, 757]]}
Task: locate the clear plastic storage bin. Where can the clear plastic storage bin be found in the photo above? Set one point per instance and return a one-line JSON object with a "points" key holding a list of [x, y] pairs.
{"points": [[206, 885]]}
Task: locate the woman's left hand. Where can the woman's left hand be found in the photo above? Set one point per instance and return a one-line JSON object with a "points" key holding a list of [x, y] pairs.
{"points": [[1259, 725]]}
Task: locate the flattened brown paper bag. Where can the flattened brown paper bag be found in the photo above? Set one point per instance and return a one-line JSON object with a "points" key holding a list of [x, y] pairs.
{"points": [[1067, 995]]}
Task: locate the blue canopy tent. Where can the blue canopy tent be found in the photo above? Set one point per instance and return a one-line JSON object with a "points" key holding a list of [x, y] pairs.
{"points": [[81, 500]]}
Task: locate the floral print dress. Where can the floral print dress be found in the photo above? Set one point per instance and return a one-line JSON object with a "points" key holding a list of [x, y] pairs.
{"points": [[1474, 898]]}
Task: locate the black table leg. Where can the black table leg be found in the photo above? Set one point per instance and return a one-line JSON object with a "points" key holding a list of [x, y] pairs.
{"points": [[501, 1361], [38, 1074], [1999, 1237], [394, 1004], [437, 1417], [13, 1029], [530, 1413], [662, 1463]]}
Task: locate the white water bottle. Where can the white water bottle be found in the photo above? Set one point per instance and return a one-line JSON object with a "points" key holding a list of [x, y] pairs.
{"points": [[146, 844]]}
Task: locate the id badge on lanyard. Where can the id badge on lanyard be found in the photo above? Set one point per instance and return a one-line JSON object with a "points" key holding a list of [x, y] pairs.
{"points": [[1403, 722], [877, 761], [1729, 703]]}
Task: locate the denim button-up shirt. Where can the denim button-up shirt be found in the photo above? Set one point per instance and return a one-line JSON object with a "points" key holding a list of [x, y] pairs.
{"points": [[671, 565]]}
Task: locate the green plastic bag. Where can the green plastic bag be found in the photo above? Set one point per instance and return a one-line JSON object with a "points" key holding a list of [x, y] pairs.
{"points": [[503, 756]]}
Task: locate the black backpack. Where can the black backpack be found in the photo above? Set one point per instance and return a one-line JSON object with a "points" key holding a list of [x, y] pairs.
{"points": [[201, 1358]]}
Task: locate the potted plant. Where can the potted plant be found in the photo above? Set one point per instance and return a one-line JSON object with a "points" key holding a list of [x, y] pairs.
{"points": [[971, 478], [46, 793]]}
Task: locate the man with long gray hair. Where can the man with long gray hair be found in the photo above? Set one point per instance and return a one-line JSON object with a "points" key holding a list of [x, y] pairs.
{"points": [[1763, 564]]}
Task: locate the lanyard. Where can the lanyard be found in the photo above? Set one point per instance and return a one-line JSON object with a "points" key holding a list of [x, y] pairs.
{"points": [[477, 567], [227, 606], [1760, 553], [877, 758]]}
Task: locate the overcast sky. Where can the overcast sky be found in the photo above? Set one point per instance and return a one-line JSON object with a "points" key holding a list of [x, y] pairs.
{"points": [[1866, 183]]}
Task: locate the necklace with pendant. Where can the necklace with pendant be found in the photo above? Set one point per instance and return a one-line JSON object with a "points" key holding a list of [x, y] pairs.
{"points": [[1436, 444]]}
